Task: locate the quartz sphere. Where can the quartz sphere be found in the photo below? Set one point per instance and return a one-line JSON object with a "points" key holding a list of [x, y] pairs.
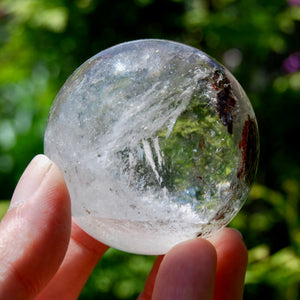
{"points": [[158, 143]]}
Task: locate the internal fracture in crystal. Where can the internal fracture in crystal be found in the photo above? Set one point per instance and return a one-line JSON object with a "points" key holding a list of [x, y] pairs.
{"points": [[158, 144]]}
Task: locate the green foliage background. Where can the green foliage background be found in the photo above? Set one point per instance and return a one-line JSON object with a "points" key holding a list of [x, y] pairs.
{"points": [[41, 44]]}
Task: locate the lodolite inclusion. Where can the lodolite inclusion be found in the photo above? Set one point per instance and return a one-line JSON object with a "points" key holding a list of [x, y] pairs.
{"points": [[158, 143]]}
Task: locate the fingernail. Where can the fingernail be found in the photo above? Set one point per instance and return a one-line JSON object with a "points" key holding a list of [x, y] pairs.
{"points": [[31, 180]]}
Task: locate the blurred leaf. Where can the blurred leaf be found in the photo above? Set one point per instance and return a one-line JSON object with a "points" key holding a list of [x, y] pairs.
{"points": [[38, 13], [3, 207], [281, 269]]}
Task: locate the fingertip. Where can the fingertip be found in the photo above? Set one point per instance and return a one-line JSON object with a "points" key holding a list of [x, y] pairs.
{"points": [[187, 272], [224, 233], [230, 241], [194, 249], [47, 200], [232, 259], [30, 180]]}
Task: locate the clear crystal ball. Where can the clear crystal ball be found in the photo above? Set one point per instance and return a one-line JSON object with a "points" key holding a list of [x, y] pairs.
{"points": [[158, 143]]}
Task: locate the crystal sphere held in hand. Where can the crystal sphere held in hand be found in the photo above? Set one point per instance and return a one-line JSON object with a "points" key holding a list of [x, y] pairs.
{"points": [[158, 143]]}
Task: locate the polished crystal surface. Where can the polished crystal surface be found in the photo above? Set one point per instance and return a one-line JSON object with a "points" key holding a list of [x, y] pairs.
{"points": [[158, 143]]}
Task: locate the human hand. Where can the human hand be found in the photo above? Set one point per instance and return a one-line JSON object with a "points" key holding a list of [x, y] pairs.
{"points": [[44, 255]]}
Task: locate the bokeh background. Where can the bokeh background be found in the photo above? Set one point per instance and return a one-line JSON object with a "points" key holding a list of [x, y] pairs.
{"points": [[42, 42]]}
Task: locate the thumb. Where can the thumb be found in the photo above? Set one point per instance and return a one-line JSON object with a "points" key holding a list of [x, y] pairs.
{"points": [[35, 232]]}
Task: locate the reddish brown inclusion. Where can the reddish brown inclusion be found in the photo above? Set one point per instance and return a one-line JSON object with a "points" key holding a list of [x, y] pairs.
{"points": [[249, 150], [225, 99]]}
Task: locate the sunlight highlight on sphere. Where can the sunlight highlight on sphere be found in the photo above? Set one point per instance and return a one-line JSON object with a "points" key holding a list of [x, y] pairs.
{"points": [[158, 143]]}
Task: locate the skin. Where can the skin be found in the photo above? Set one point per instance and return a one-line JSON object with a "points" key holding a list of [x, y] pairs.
{"points": [[44, 255]]}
